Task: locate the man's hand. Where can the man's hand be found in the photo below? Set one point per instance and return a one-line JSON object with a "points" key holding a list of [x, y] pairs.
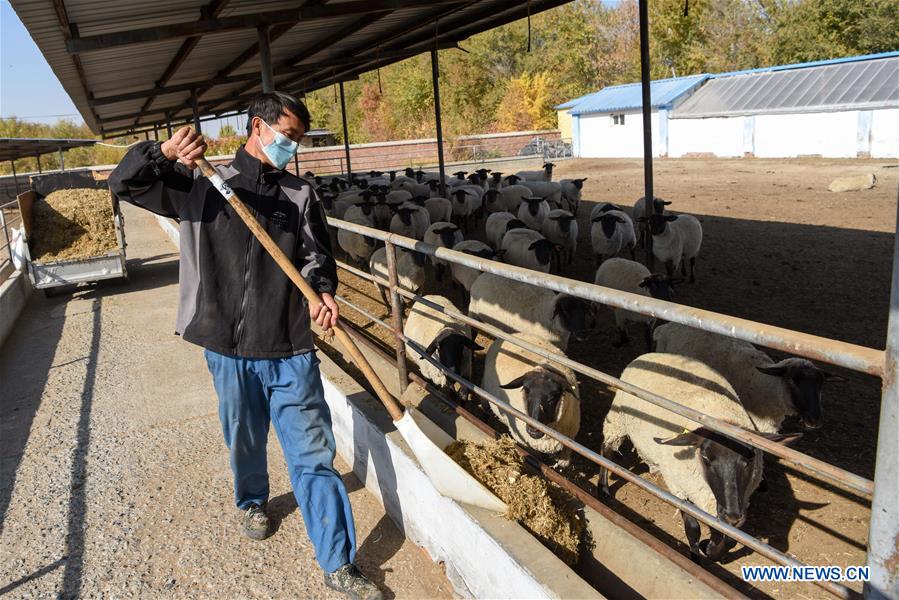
{"points": [[325, 313], [186, 145]]}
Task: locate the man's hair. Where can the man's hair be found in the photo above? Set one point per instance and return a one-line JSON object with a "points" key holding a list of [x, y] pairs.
{"points": [[271, 105]]}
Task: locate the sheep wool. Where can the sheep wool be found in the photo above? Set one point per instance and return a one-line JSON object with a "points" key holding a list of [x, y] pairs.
{"points": [[625, 275], [766, 398], [690, 383], [505, 362], [424, 325]]}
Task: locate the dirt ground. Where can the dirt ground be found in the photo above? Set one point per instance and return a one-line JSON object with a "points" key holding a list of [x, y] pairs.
{"points": [[780, 249]]}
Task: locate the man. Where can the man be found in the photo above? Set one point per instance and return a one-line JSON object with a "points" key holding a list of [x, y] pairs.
{"points": [[253, 323]]}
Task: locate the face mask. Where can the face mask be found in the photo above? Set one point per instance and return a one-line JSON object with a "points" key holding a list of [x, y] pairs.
{"points": [[280, 150]]}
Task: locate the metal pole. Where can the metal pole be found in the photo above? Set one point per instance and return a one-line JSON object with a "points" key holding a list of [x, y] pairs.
{"points": [[62, 160], [647, 125], [147, 136], [396, 308], [346, 134], [883, 537], [296, 164], [155, 133], [6, 234], [15, 178], [168, 126], [265, 59], [39, 163], [196, 107], [435, 76]]}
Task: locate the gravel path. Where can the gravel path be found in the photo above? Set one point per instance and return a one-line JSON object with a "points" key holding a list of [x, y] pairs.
{"points": [[114, 479]]}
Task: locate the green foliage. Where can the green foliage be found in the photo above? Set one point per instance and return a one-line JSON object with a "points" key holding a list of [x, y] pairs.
{"points": [[495, 84]]}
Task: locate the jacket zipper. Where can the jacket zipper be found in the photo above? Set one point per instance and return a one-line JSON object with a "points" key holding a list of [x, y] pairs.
{"points": [[238, 335]]}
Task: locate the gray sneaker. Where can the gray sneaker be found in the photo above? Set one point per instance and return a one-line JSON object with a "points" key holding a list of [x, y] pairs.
{"points": [[350, 580], [255, 522]]}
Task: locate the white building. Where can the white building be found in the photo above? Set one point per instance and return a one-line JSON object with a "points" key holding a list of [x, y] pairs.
{"points": [[838, 108]]}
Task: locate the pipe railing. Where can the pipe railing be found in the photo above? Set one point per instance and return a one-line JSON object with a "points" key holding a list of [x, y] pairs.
{"points": [[687, 507], [788, 454], [835, 352]]}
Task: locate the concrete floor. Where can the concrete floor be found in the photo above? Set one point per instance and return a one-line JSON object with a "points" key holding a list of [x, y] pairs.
{"points": [[114, 479]]}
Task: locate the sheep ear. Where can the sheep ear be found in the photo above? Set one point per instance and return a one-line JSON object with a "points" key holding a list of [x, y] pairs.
{"points": [[515, 383], [666, 202], [645, 282], [781, 438], [687, 438], [776, 370], [670, 217], [619, 219]]}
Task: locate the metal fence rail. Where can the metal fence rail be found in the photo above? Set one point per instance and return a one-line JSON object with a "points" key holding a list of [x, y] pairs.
{"points": [[859, 358], [6, 223]]}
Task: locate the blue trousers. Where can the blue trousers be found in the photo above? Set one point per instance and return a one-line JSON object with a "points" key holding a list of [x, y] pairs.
{"points": [[287, 392]]}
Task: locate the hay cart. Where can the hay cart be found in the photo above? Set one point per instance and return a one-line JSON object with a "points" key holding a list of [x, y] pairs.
{"points": [[51, 275]]}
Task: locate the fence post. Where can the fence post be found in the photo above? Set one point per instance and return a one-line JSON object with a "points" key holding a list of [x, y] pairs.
{"points": [[883, 537], [396, 308], [6, 233]]}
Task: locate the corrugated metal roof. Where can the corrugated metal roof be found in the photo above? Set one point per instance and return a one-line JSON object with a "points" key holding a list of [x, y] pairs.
{"points": [[145, 78], [663, 93], [573, 102], [15, 148], [831, 86]]}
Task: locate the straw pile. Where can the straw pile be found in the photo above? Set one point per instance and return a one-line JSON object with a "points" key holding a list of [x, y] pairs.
{"points": [[72, 224], [543, 508]]}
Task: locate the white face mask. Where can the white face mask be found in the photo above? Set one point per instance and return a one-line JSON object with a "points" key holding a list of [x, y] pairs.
{"points": [[280, 150]]}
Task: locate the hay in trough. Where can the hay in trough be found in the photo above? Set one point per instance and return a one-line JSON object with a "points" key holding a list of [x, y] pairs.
{"points": [[71, 224], [542, 507]]}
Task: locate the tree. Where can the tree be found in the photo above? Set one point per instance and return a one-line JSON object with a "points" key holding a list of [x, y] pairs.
{"points": [[227, 130]]}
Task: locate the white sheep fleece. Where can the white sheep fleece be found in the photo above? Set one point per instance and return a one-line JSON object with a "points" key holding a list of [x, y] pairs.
{"points": [[424, 325], [353, 243], [510, 198], [554, 233], [766, 397], [495, 228], [516, 307], [682, 238], [433, 238], [534, 222], [516, 243], [625, 275], [551, 191], [622, 238], [687, 382], [505, 362], [466, 276], [409, 275]]}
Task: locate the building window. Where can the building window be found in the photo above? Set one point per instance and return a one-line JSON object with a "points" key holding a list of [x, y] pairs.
{"points": [[618, 119]]}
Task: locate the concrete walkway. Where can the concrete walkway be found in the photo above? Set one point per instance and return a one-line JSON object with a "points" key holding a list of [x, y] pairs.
{"points": [[114, 478]]}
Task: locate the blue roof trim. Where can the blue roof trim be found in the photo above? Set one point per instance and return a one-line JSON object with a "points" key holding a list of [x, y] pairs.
{"points": [[663, 93], [816, 63]]}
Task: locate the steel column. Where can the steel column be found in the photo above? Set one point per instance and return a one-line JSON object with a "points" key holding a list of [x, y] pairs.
{"points": [[883, 537], [346, 133], [62, 160], [196, 108], [6, 234], [39, 164], [265, 58], [396, 308], [168, 127], [15, 177], [647, 125], [435, 77], [296, 164], [155, 133]]}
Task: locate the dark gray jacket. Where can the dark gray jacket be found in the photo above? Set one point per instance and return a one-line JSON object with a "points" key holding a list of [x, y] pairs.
{"points": [[233, 297]]}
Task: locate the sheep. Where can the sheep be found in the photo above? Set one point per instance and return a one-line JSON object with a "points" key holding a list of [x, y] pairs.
{"points": [[769, 391], [495, 182], [511, 180], [411, 221], [532, 212], [334, 208], [560, 227], [410, 270], [443, 235], [545, 175], [506, 199], [444, 338], [466, 206], [402, 182], [357, 247], [495, 227], [543, 389], [466, 276], [603, 207], [676, 239], [630, 276], [571, 193], [415, 188], [718, 479], [611, 232], [639, 211], [439, 209], [515, 306], [527, 248], [551, 191]]}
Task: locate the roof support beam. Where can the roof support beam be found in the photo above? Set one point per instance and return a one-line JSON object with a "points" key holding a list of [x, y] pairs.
{"points": [[265, 59], [69, 31], [77, 45]]}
